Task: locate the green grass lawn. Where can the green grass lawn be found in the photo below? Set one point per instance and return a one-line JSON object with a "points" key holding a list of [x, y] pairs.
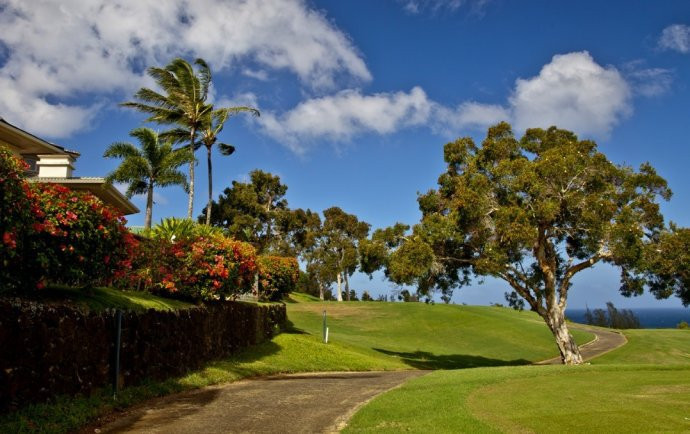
{"points": [[619, 398], [651, 346], [643, 386], [100, 298], [432, 336]]}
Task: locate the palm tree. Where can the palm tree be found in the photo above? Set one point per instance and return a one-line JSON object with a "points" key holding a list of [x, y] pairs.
{"points": [[152, 164], [211, 125], [183, 103]]}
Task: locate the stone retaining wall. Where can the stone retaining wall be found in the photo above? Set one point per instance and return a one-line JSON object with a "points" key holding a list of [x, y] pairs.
{"points": [[50, 350]]}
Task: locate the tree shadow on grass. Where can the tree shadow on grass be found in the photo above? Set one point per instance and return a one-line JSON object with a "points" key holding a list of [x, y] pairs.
{"points": [[290, 328], [425, 360]]}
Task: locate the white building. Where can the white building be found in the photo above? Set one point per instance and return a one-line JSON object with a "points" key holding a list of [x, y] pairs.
{"points": [[52, 163]]}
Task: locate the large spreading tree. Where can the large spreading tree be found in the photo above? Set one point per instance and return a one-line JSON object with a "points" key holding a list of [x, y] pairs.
{"points": [[535, 212]]}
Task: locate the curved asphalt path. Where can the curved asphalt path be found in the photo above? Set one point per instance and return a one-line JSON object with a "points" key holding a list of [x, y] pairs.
{"points": [[604, 341], [298, 403]]}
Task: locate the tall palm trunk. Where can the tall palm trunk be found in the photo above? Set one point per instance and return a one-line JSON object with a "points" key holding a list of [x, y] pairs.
{"points": [[149, 206], [210, 186], [190, 204]]}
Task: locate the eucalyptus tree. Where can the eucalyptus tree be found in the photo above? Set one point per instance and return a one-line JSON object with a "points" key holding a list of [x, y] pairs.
{"points": [[535, 212], [152, 164], [181, 103], [338, 248], [212, 124]]}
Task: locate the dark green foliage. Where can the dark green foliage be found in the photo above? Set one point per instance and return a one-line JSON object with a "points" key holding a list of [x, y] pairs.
{"points": [[254, 211], [514, 300], [612, 318], [683, 325], [366, 296]]}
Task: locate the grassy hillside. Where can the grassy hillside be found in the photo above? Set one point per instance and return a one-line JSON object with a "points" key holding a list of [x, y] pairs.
{"points": [[651, 346], [432, 336]]}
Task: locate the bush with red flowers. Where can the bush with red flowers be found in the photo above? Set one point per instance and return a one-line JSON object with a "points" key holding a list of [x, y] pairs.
{"points": [[277, 277], [53, 234], [15, 221], [210, 267], [77, 239]]}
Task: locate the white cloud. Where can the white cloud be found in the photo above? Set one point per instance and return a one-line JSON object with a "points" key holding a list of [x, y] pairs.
{"points": [[468, 115], [341, 116], [435, 6], [572, 92], [59, 52], [647, 81], [675, 37]]}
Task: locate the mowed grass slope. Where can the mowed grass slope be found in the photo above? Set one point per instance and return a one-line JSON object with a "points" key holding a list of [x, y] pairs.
{"points": [[606, 399], [431, 336], [643, 386], [651, 346]]}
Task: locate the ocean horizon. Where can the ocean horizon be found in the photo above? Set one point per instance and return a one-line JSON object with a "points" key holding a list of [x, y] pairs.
{"points": [[650, 318]]}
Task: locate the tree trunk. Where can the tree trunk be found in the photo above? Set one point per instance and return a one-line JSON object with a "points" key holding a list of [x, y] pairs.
{"points": [[570, 353], [149, 207], [347, 286], [340, 280], [190, 203], [321, 293], [210, 187]]}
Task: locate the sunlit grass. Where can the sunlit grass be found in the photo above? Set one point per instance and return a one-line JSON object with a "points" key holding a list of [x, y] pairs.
{"points": [[620, 398]]}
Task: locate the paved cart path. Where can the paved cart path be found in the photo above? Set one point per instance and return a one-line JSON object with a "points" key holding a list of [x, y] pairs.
{"points": [[307, 403], [604, 341]]}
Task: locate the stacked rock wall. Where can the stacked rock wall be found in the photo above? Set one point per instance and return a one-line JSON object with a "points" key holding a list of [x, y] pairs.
{"points": [[50, 350]]}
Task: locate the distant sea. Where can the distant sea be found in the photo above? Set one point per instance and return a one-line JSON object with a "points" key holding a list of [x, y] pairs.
{"points": [[650, 318]]}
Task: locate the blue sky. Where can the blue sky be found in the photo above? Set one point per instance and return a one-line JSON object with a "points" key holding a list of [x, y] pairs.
{"points": [[359, 97]]}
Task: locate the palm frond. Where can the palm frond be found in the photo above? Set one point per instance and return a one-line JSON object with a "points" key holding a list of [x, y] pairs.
{"points": [[175, 136], [204, 77], [121, 150], [226, 149], [173, 177]]}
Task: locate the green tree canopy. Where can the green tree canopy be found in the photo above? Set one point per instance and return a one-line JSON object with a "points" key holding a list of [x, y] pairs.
{"points": [[535, 212], [254, 212]]}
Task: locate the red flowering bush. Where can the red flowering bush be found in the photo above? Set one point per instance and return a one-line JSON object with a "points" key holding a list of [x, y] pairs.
{"points": [[15, 221], [78, 240], [277, 277], [53, 234], [197, 267]]}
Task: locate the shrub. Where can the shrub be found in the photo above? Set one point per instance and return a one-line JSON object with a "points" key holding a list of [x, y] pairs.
{"points": [[277, 277], [53, 234], [683, 325], [78, 240], [196, 268], [15, 221]]}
